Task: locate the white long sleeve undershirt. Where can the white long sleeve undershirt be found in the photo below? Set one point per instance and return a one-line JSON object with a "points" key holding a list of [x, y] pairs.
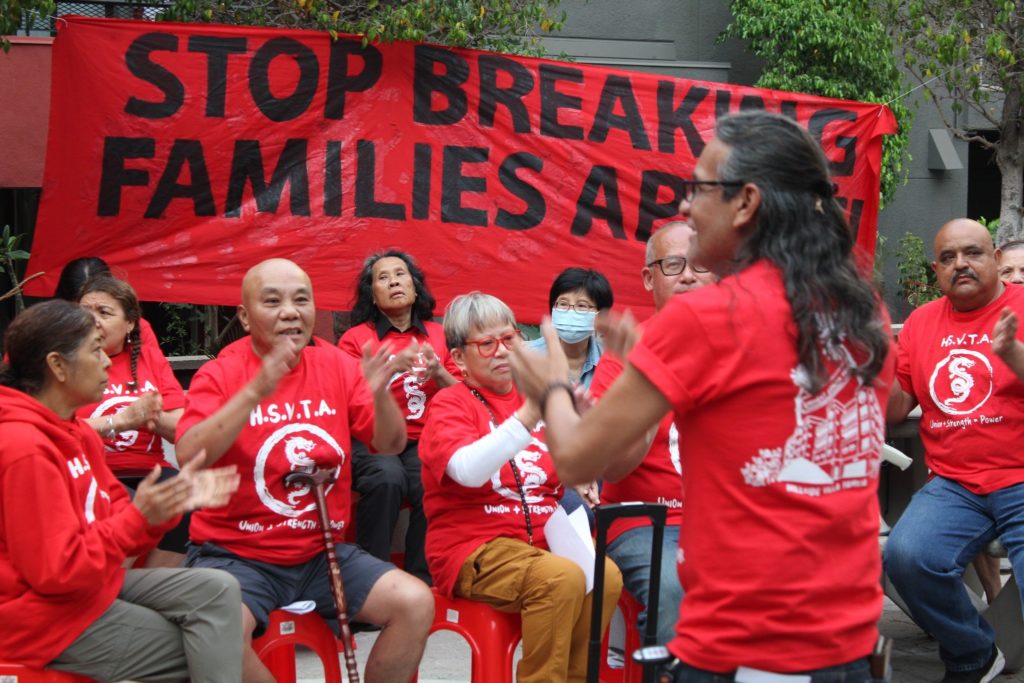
{"points": [[475, 463]]}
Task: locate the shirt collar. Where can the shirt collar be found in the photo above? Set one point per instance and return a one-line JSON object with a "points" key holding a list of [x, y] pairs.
{"points": [[384, 326]]}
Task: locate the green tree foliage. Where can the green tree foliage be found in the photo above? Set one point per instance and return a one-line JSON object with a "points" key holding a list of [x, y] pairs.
{"points": [[916, 277], [834, 48], [499, 25], [14, 12], [10, 256], [967, 54]]}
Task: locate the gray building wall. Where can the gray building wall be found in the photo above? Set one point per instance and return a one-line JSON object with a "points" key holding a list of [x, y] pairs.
{"points": [[680, 38]]}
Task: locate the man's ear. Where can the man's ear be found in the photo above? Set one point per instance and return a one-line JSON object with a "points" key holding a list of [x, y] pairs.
{"points": [[935, 266], [243, 317], [648, 277], [748, 201]]}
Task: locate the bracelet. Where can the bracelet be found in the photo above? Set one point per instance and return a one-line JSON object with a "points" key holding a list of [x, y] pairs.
{"points": [[552, 387], [111, 430]]}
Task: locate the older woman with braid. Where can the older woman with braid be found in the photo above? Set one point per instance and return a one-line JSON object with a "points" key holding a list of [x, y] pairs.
{"points": [[489, 488], [77, 272], [141, 404]]}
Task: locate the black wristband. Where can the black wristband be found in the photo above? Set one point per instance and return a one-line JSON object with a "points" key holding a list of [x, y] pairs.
{"points": [[552, 387]]}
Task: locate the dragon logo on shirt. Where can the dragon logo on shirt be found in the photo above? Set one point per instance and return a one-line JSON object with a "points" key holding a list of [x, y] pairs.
{"points": [[290, 449], [961, 382], [416, 400], [531, 474]]}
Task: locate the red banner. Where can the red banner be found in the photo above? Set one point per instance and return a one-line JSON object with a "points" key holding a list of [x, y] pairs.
{"points": [[185, 153]]}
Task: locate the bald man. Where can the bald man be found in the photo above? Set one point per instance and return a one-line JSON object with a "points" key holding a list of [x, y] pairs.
{"points": [[652, 474], [272, 403], [957, 358]]}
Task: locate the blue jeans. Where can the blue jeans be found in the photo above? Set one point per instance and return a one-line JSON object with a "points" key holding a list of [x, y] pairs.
{"points": [[856, 671], [941, 531], [631, 551], [572, 500]]}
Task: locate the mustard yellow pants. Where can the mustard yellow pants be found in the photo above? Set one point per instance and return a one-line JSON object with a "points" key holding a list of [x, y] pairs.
{"points": [[548, 591]]}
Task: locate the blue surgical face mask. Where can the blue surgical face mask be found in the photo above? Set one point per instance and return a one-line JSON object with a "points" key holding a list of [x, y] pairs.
{"points": [[572, 327]]}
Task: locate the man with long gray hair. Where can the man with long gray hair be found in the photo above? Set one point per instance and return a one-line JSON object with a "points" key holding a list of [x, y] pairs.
{"points": [[777, 376]]}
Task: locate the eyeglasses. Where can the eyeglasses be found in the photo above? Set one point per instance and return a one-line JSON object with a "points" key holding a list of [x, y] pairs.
{"points": [[488, 346], [674, 265], [692, 187], [579, 307]]}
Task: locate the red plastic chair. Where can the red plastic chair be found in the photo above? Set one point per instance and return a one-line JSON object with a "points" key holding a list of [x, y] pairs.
{"points": [[276, 647], [492, 635], [633, 672], [16, 673]]}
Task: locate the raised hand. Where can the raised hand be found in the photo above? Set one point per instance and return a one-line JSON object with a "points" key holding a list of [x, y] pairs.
{"points": [[1004, 334], [589, 493], [159, 502], [405, 359], [618, 332], [432, 364], [141, 413], [529, 414], [534, 371], [279, 362], [211, 488], [378, 366]]}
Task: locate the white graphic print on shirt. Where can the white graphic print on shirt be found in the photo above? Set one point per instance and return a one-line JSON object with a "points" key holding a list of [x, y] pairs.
{"points": [[297, 442], [961, 382], [836, 444]]}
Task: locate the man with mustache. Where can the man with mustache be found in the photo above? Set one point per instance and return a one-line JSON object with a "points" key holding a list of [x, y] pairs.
{"points": [[957, 358]]}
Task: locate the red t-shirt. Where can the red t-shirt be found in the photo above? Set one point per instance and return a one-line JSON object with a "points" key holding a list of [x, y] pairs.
{"points": [[657, 478], [972, 404], [134, 452], [778, 551], [308, 419], [410, 395], [460, 518]]}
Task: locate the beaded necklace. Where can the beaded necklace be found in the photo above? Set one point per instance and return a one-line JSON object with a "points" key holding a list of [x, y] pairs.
{"points": [[512, 466]]}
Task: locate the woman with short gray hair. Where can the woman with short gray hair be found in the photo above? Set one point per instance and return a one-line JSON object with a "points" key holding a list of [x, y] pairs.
{"points": [[489, 488]]}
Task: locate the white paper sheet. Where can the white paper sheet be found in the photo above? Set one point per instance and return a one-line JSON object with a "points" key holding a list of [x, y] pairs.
{"points": [[569, 536], [745, 674], [300, 607]]}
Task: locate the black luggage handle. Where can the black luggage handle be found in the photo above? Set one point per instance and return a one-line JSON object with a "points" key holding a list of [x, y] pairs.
{"points": [[605, 515]]}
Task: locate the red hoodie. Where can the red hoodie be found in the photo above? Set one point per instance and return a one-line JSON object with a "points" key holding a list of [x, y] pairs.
{"points": [[66, 527]]}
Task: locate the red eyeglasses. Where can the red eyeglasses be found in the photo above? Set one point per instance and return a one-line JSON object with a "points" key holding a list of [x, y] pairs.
{"points": [[488, 346]]}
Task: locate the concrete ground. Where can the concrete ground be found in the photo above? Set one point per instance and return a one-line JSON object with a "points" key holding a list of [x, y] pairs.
{"points": [[447, 658]]}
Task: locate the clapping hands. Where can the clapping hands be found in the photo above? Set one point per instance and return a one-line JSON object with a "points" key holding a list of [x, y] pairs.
{"points": [[192, 489]]}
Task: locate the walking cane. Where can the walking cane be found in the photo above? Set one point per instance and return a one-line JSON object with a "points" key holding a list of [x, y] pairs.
{"points": [[315, 480]]}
